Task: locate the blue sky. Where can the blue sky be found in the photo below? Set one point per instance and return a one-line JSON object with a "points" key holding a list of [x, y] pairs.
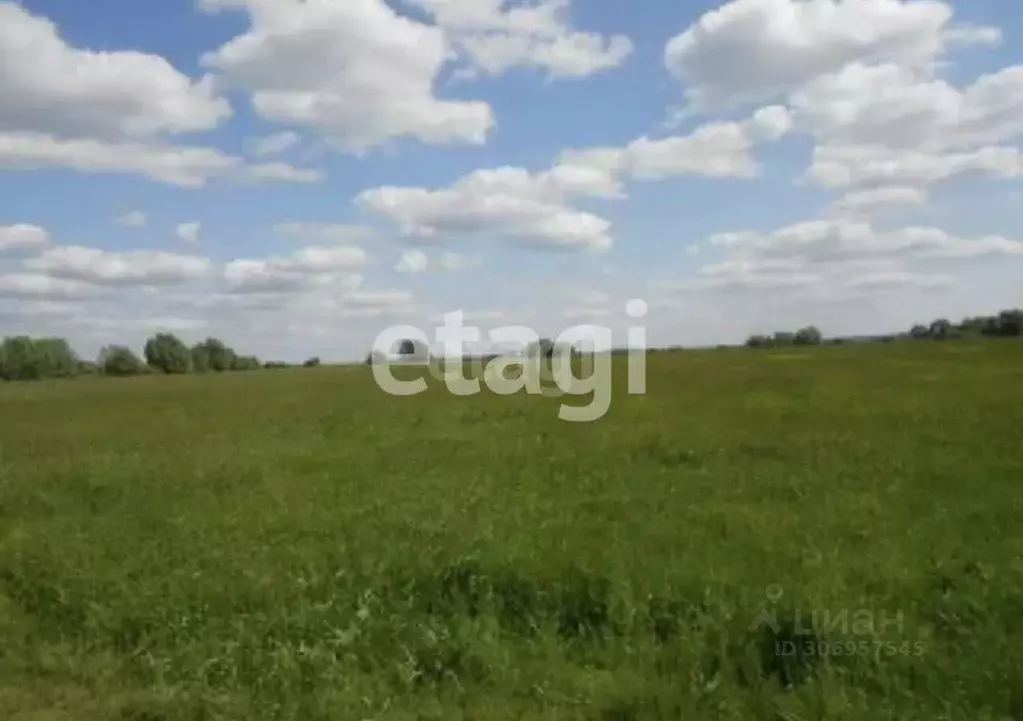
{"points": [[296, 177]]}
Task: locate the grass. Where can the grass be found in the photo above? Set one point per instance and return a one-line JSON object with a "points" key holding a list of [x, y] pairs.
{"points": [[298, 545]]}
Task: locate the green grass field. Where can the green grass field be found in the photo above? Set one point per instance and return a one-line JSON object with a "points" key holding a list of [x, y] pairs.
{"points": [[297, 545]]}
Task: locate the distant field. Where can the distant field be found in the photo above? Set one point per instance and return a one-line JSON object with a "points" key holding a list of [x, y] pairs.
{"points": [[297, 545]]}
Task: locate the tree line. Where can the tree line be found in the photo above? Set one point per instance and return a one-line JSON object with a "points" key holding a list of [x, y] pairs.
{"points": [[1005, 324], [810, 335], [27, 358]]}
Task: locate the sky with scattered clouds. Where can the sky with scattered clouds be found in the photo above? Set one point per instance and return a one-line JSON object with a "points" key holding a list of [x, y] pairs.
{"points": [[296, 176]]}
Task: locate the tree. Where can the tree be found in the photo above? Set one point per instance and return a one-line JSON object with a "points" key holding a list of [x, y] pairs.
{"points": [[993, 326], [919, 332], [167, 353], [25, 358], [410, 350], [975, 326], [200, 358], [940, 329], [246, 363], [809, 335], [119, 361], [1010, 323], [59, 361], [407, 347], [19, 359], [212, 355]]}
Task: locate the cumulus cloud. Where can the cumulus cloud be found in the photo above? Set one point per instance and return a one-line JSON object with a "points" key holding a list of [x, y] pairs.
{"points": [[497, 35], [23, 238], [716, 149], [375, 298], [275, 144], [842, 239], [188, 233], [875, 200], [841, 166], [863, 79], [68, 91], [899, 279], [508, 202], [185, 166], [39, 286], [137, 267], [534, 208], [412, 262], [754, 50], [285, 172], [310, 267], [415, 261], [356, 72], [895, 106]]}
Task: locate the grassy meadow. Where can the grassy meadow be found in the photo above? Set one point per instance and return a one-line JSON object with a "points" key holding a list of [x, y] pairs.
{"points": [[296, 544]]}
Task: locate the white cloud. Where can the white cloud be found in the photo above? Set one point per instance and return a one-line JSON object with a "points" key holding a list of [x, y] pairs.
{"points": [[454, 261], [508, 202], [308, 268], [897, 107], [414, 261], [874, 200], [186, 166], [755, 50], [100, 324], [717, 149], [496, 36], [188, 233], [64, 90], [842, 166], [32, 307], [356, 72], [137, 267], [39, 286], [534, 208], [746, 275], [285, 172], [23, 238], [374, 298], [275, 144], [842, 240], [899, 279], [133, 219]]}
